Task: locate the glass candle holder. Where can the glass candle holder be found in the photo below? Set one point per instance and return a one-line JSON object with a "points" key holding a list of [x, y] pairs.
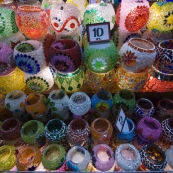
{"points": [[169, 153], [137, 55], [100, 58], [32, 21], [160, 16], [144, 107], [41, 81], [167, 130], [96, 81], [127, 136], [102, 101], [133, 15], [153, 157], [101, 131], [164, 109], [55, 130], [65, 55], [102, 157], [12, 80], [77, 158], [8, 23], [14, 101], [58, 103], [70, 82], [78, 132], [28, 158], [158, 81], [124, 98], [36, 104], [32, 133], [129, 80], [79, 103], [148, 130], [10, 129], [99, 13], [64, 18], [163, 60], [53, 156], [29, 56], [127, 157], [7, 157]]}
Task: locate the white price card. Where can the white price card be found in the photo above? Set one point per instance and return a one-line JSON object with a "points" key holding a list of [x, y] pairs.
{"points": [[121, 123], [92, 1], [98, 32]]}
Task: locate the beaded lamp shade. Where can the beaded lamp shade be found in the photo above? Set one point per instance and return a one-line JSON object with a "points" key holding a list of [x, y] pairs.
{"points": [[64, 18], [41, 81], [8, 24], [132, 15], [161, 16], [32, 21], [99, 13], [29, 56]]}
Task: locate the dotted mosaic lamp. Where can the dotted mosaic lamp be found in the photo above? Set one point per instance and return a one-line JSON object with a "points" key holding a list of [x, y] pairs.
{"points": [[161, 17], [8, 24], [64, 18], [99, 13], [41, 81]]}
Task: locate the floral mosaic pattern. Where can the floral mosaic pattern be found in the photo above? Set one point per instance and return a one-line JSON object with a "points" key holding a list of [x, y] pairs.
{"points": [[27, 63], [129, 59], [99, 63], [102, 107]]}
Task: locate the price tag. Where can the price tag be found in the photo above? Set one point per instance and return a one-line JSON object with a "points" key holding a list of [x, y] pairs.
{"points": [[98, 32], [92, 1], [121, 123]]}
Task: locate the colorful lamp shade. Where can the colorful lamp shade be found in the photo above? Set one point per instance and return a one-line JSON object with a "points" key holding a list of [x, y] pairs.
{"points": [[65, 55], [101, 131], [127, 157], [158, 81], [29, 56], [10, 129], [14, 101], [55, 130], [100, 58], [70, 82], [41, 81], [99, 13], [102, 157], [164, 57], [36, 104], [161, 16], [124, 98], [65, 18], [53, 156], [8, 23], [137, 55], [133, 15], [153, 157], [130, 80], [78, 132], [28, 158], [32, 133], [148, 130], [12, 80], [7, 157], [79, 103], [77, 158], [58, 103], [96, 81], [32, 21]]}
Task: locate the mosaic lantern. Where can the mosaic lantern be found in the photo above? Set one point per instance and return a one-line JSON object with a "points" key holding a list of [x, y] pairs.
{"points": [[99, 13], [32, 21], [64, 18], [161, 16]]}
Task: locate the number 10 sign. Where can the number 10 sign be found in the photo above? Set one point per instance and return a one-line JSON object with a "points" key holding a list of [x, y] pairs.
{"points": [[98, 32]]}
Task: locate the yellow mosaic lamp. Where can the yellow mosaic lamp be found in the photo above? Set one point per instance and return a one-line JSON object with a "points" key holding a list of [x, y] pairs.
{"points": [[13, 80], [161, 16]]}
